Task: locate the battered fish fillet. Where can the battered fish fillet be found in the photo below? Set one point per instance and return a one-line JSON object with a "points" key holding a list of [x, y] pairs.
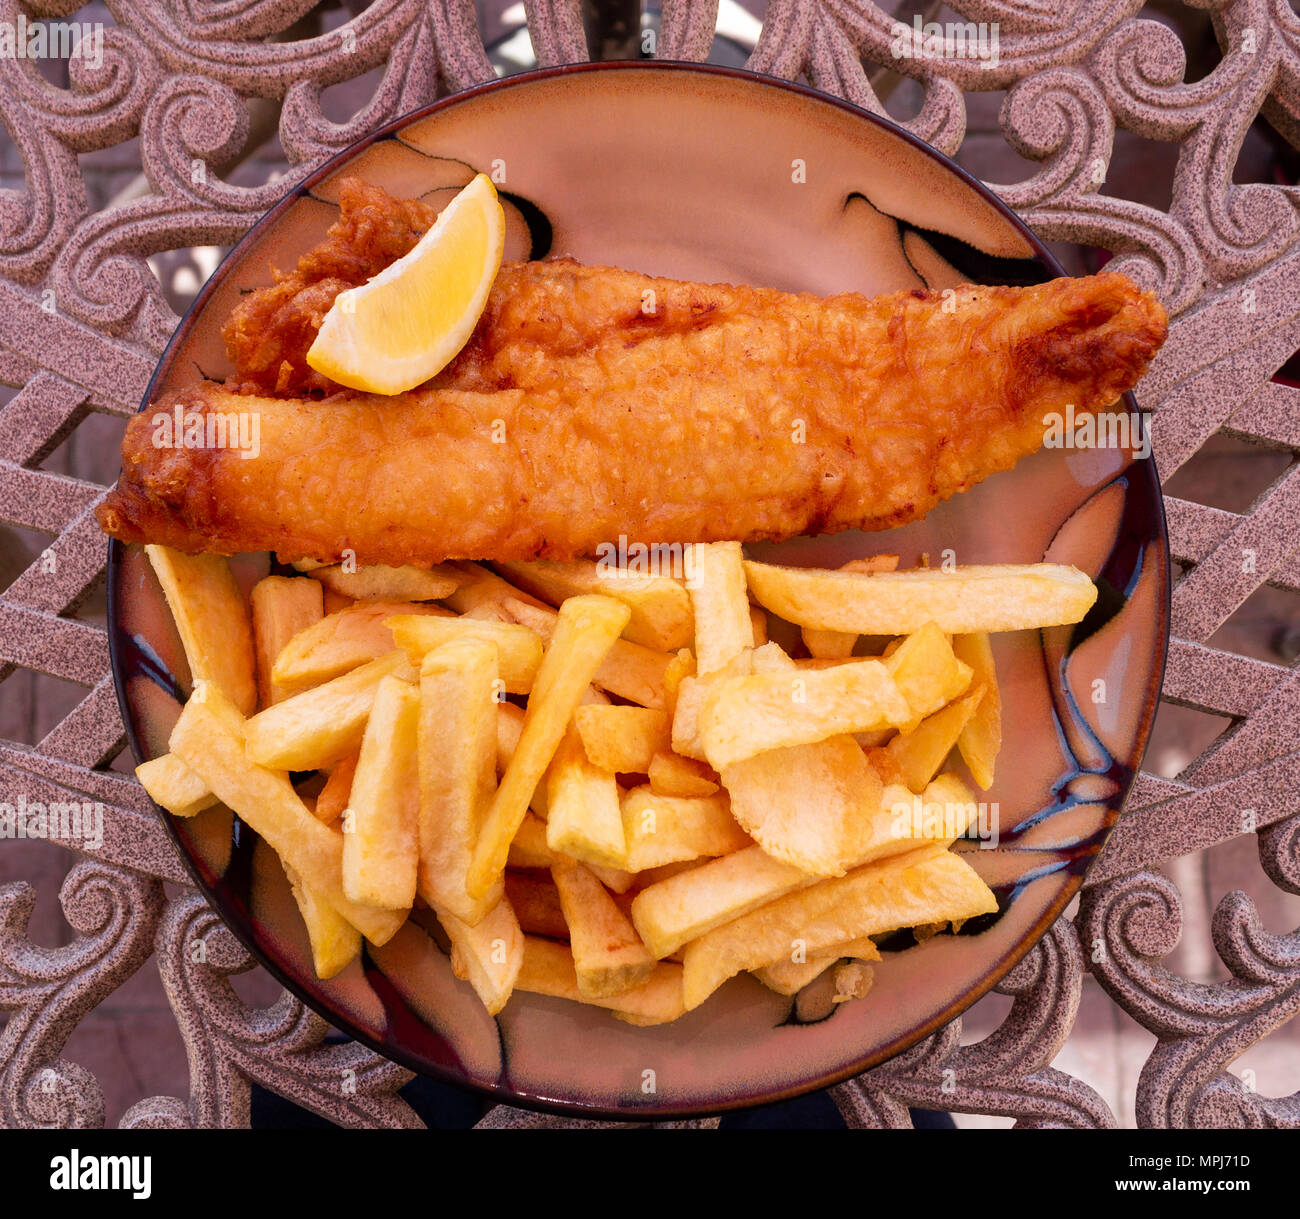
{"points": [[576, 415], [536, 311]]}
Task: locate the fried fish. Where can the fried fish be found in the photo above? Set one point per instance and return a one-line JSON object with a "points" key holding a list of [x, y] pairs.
{"points": [[593, 402]]}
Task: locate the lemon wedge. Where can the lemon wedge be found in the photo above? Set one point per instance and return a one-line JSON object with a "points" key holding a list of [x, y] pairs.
{"points": [[407, 323]]}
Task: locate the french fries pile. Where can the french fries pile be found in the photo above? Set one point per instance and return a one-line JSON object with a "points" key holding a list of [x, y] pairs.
{"points": [[605, 787]]}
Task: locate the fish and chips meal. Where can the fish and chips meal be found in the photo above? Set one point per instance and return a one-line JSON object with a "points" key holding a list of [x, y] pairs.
{"points": [[590, 403], [512, 675]]}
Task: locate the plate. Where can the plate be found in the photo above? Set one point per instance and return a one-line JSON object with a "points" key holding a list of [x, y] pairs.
{"points": [[713, 174]]}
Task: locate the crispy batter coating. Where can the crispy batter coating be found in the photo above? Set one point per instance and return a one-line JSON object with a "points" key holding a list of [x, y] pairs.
{"points": [[536, 311], [584, 408]]}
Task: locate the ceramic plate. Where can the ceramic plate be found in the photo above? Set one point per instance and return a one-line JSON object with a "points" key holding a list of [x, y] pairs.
{"points": [[710, 174]]}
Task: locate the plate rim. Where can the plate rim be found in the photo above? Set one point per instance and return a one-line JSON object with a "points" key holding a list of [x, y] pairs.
{"points": [[234, 921]]}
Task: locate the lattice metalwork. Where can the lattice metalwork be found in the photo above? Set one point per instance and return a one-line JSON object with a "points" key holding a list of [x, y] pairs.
{"points": [[83, 318]]}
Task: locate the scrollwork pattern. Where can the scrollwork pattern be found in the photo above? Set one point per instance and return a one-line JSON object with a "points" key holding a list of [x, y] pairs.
{"points": [[184, 77], [1008, 1072], [47, 991], [1201, 1027], [281, 1047]]}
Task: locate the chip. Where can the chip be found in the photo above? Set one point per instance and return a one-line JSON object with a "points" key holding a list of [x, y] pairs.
{"points": [[917, 887], [960, 600]]}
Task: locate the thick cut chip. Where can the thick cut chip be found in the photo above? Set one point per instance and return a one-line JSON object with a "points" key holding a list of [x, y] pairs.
{"points": [[916, 756], [381, 824], [489, 954], [529, 848], [378, 583], [809, 805], [174, 786], [583, 817], [458, 742], [680, 666], [771, 658], [584, 632], [790, 976], [335, 601], [616, 880], [839, 645], [927, 672], [483, 591], [315, 729], [748, 715], [959, 601], [627, 669], [335, 943], [652, 876], [622, 739], [519, 650], [211, 619], [670, 774], [829, 645], [660, 606], [872, 563], [853, 980], [666, 829], [723, 629], [342, 641], [510, 723], [683, 906], [981, 739], [608, 955], [548, 969], [903, 820], [207, 737], [922, 886], [693, 691], [942, 814], [283, 608]]}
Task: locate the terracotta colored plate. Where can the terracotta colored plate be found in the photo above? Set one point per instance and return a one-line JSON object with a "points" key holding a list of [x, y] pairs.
{"points": [[711, 174]]}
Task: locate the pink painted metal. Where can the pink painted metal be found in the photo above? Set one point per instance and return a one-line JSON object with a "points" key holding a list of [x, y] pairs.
{"points": [[83, 318]]}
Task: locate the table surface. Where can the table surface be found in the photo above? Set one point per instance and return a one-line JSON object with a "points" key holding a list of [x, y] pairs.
{"points": [[1164, 135]]}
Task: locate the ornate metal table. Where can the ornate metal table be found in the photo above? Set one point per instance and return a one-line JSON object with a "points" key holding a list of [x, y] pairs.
{"points": [[191, 90]]}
